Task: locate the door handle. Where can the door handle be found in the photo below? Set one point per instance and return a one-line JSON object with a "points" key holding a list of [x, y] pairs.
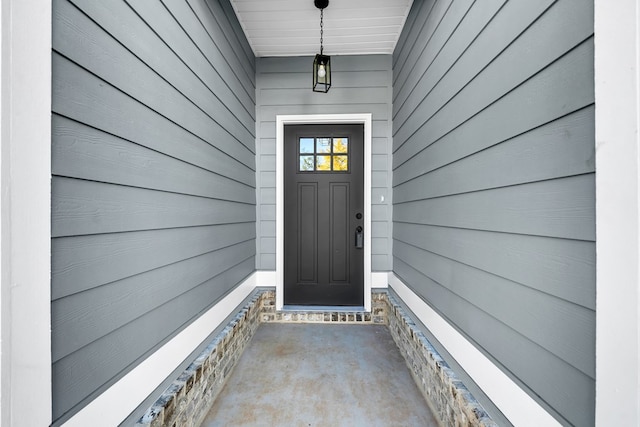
{"points": [[359, 238]]}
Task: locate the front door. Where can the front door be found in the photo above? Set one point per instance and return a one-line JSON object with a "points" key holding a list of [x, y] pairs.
{"points": [[323, 215]]}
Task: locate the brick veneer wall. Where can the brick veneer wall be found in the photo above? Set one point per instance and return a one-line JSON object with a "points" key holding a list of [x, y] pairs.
{"points": [[188, 399], [448, 397]]}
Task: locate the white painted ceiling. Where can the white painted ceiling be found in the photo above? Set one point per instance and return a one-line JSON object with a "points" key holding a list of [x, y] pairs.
{"points": [[292, 27]]}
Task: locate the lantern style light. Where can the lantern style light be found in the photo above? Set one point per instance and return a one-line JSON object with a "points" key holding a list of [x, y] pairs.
{"points": [[321, 63]]}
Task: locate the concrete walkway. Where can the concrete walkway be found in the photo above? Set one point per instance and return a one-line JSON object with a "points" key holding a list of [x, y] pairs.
{"points": [[319, 375]]}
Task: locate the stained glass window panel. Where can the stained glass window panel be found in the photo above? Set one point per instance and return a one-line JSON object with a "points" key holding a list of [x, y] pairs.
{"points": [[306, 163], [306, 145], [323, 163], [323, 145], [341, 163], [323, 154], [340, 145]]}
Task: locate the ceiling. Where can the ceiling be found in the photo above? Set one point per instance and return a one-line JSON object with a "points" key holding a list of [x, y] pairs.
{"points": [[292, 27]]}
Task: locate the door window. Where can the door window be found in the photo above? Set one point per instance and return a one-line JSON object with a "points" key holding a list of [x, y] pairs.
{"points": [[321, 154]]}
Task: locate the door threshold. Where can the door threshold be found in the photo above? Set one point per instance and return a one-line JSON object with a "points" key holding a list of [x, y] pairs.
{"points": [[325, 308]]}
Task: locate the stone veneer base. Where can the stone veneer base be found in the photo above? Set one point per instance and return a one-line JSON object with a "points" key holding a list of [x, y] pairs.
{"points": [[189, 398]]}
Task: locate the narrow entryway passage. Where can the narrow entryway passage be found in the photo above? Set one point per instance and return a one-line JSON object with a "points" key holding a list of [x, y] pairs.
{"points": [[316, 375]]}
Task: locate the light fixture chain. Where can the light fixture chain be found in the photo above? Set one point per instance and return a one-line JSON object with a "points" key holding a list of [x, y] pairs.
{"points": [[321, 28]]}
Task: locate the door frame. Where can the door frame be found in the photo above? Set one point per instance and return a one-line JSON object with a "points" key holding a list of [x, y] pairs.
{"points": [[282, 120]]}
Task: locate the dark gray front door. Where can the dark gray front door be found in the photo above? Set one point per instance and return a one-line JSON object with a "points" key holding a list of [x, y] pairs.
{"points": [[323, 215]]}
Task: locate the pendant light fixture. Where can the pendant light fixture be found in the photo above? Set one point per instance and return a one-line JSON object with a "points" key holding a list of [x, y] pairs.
{"points": [[321, 63]]}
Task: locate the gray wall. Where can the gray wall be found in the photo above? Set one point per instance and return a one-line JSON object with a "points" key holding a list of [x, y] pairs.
{"points": [[153, 204], [360, 84], [493, 184]]}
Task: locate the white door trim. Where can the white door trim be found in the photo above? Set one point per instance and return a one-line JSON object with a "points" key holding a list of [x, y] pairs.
{"points": [[281, 121]]}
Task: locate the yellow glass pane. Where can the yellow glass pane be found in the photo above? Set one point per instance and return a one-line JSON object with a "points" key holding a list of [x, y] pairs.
{"points": [[340, 145], [323, 163], [340, 163]]}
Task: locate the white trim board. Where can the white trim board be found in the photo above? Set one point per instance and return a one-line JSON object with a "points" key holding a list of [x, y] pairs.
{"points": [[118, 401], [617, 91], [379, 280], [266, 278], [519, 408], [25, 204], [281, 121]]}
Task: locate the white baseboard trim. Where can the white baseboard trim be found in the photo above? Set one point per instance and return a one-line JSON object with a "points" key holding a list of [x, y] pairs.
{"points": [[519, 408], [118, 401], [379, 280], [266, 278]]}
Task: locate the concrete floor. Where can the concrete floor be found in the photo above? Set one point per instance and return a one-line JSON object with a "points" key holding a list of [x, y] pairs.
{"points": [[317, 375]]}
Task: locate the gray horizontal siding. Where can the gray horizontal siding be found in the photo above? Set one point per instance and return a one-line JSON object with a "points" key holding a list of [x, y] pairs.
{"points": [[133, 342], [85, 262], [560, 208], [89, 207], [101, 314], [82, 151], [153, 190], [559, 267], [494, 189], [361, 84]]}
